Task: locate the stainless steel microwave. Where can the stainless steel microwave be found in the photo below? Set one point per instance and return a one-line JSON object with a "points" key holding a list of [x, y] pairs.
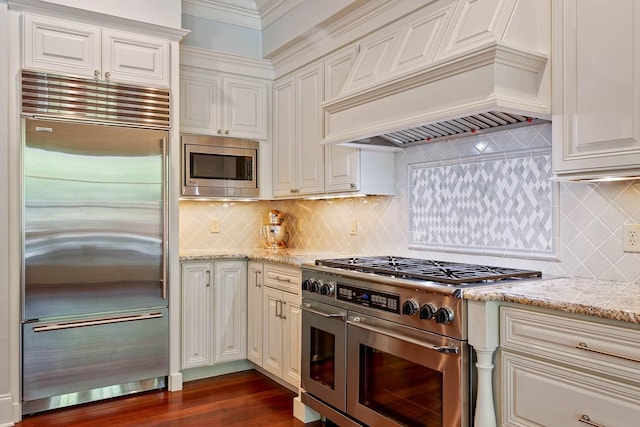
{"points": [[219, 167]]}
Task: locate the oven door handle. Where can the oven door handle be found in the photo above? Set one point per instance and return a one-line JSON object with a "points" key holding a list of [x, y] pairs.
{"points": [[307, 307], [449, 349]]}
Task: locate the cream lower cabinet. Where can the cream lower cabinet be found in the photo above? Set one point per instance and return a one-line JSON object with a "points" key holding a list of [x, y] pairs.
{"points": [[214, 312], [562, 371], [254, 311], [281, 323]]}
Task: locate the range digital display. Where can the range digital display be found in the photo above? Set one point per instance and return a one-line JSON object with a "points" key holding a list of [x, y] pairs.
{"points": [[368, 298]]}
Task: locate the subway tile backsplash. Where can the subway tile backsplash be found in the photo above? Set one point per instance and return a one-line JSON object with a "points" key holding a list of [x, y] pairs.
{"points": [[588, 240]]}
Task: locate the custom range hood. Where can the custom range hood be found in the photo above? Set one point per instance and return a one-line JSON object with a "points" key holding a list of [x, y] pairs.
{"points": [[449, 69]]}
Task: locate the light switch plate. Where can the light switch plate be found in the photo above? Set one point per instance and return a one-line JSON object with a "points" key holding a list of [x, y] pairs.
{"points": [[353, 227]]}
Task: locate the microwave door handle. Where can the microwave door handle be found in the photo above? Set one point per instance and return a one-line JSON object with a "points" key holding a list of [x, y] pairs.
{"points": [[450, 349]]}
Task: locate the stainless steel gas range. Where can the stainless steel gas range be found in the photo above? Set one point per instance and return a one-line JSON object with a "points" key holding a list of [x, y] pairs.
{"points": [[384, 339]]}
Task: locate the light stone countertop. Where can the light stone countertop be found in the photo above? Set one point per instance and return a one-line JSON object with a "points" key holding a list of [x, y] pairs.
{"points": [[599, 298]]}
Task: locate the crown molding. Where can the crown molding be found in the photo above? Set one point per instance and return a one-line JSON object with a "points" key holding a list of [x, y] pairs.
{"points": [[225, 62], [236, 12]]}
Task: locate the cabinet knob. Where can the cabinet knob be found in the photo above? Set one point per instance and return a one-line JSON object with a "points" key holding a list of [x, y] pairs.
{"points": [[226, 132], [107, 75], [96, 74], [353, 186], [219, 131]]}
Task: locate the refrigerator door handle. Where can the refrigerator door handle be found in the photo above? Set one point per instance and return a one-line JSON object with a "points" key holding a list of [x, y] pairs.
{"points": [[56, 326], [165, 217]]}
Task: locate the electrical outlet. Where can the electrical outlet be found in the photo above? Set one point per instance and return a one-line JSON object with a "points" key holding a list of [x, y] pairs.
{"points": [[353, 227], [631, 239], [214, 225]]}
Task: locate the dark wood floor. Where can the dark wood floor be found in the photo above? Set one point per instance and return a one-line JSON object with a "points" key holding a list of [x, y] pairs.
{"points": [[240, 399]]}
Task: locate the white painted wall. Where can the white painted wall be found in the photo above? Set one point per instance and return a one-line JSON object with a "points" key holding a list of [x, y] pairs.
{"points": [[221, 36], [159, 12]]}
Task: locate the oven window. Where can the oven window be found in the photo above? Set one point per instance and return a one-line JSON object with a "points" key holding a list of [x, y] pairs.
{"points": [[322, 361], [217, 166], [408, 393]]}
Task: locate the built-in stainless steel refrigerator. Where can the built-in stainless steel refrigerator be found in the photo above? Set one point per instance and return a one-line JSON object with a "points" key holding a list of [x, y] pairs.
{"points": [[95, 321]]}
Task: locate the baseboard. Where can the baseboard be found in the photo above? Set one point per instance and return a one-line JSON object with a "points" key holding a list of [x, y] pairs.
{"points": [[9, 411], [215, 370], [303, 412], [175, 382]]}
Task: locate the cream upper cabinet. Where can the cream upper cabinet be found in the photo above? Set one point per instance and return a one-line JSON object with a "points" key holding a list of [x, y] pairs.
{"points": [[596, 88], [221, 104], [74, 48], [350, 169], [298, 157]]}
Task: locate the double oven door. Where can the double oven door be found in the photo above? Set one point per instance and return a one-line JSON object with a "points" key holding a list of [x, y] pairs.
{"points": [[395, 375]]}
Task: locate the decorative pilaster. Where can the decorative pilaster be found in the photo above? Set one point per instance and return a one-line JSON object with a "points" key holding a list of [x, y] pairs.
{"points": [[484, 337], [485, 415]]}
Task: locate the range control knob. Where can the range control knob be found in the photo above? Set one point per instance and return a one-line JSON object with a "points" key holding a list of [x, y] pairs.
{"points": [[315, 286], [444, 315], [306, 284], [410, 307], [427, 312], [328, 289]]}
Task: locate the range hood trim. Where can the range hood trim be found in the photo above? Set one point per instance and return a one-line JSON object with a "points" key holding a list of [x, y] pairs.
{"points": [[491, 54]]}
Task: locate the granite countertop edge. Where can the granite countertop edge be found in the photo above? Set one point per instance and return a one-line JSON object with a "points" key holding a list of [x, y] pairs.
{"points": [[592, 297], [295, 258]]}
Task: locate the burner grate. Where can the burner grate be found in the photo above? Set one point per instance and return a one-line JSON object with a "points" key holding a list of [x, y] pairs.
{"points": [[451, 273]]}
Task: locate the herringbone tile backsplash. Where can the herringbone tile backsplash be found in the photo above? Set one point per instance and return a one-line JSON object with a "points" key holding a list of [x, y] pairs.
{"points": [[586, 233]]}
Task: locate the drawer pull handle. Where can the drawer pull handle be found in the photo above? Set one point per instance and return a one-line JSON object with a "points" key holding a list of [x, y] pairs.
{"points": [[586, 419], [585, 347]]}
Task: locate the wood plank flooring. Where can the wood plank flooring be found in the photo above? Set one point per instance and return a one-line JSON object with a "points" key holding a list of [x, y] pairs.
{"points": [[247, 399]]}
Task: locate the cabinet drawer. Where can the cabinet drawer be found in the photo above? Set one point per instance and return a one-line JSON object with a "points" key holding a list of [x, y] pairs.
{"points": [[607, 349], [281, 277], [541, 394]]}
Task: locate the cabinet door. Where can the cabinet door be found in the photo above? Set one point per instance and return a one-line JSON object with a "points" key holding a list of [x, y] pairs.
{"points": [[197, 343], [536, 393], [341, 163], [596, 86], [245, 112], [230, 311], [254, 312], [292, 318], [284, 137], [133, 58], [272, 332], [310, 125], [342, 167], [200, 103], [61, 46]]}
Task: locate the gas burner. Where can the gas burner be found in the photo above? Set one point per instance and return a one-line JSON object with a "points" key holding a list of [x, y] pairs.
{"points": [[450, 273]]}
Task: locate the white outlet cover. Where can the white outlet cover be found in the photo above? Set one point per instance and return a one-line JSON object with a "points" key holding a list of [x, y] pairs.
{"points": [[631, 238]]}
